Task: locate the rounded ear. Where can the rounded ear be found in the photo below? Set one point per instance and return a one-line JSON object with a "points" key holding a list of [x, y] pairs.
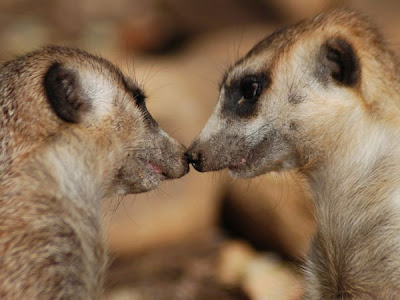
{"points": [[65, 93], [340, 60]]}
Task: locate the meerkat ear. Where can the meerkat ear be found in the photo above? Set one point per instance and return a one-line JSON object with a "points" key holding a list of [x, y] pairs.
{"points": [[341, 61], [65, 93]]}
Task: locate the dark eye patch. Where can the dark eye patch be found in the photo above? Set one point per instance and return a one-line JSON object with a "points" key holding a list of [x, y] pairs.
{"points": [[241, 97]]}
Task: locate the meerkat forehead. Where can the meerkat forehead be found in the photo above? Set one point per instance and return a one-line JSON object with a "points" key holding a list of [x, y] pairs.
{"points": [[304, 36], [88, 64], [91, 68]]}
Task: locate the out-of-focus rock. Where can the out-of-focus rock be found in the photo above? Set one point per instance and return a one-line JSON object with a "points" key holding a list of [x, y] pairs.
{"points": [[153, 31], [200, 16], [182, 271], [124, 293], [234, 258], [259, 275], [208, 267], [268, 278], [167, 23]]}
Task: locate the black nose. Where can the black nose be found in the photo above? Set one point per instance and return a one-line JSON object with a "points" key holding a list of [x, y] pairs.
{"points": [[195, 158]]}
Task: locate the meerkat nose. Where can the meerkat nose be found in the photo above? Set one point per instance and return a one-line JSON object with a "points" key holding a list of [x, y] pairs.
{"points": [[195, 158]]}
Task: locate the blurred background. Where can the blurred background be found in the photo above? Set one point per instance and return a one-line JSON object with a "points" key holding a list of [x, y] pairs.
{"points": [[205, 236]]}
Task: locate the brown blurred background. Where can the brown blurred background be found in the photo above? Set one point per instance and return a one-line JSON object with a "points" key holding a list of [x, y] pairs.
{"points": [[204, 236]]}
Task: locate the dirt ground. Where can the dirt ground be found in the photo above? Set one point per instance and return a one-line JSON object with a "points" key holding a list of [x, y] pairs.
{"points": [[205, 236]]}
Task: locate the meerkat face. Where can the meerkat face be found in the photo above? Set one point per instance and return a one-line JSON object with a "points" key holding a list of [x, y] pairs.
{"points": [[88, 97], [273, 102]]}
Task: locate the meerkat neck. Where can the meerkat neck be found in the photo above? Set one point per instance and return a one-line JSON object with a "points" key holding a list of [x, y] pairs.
{"points": [[344, 149], [369, 157], [58, 192], [69, 172], [356, 196]]}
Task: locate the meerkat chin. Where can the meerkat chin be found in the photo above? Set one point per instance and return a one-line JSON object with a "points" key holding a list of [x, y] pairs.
{"points": [[73, 131], [323, 97]]}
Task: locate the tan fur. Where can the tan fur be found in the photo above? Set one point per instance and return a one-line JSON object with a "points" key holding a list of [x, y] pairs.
{"points": [[344, 137], [54, 174]]}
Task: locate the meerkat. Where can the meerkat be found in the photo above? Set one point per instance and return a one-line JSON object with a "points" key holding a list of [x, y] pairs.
{"points": [[73, 131], [321, 96]]}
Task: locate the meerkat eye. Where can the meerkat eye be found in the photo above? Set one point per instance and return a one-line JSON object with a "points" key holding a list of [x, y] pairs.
{"points": [[250, 88], [135, 92], [139, 97], [241, 95]]}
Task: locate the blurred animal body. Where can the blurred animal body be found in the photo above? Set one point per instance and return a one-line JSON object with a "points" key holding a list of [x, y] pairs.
{"points": [[73, 131], [323, 97]]}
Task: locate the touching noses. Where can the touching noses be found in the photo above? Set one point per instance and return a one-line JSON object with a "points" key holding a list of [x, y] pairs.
{"points": [[194, 157]]}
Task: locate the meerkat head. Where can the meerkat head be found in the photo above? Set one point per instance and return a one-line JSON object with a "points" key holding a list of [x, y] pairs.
{"points": [[84, 114], [296, 90]]}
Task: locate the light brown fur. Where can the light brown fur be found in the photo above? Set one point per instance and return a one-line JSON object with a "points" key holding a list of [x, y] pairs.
{"points": [[329, 106], [54, 174]]}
